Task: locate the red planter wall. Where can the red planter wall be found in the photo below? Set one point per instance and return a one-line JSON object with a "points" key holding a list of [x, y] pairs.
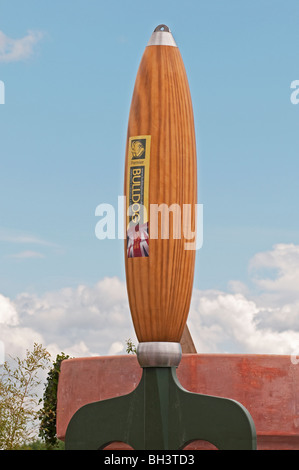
{"points": [[267, 385]]}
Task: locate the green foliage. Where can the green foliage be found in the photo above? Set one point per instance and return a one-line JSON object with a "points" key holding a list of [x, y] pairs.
{"points": [[131, 348], [47, 415], [40, 445], [19, 381]]}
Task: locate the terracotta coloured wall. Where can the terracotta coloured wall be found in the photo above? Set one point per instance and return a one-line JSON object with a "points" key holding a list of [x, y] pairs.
{"points": [[267, 385]]}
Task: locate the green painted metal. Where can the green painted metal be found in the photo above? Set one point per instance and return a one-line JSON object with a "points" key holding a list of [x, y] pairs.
{"points": [[161, 415]]}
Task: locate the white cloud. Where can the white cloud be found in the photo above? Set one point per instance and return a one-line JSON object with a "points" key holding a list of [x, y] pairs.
{"points": [[95, 320], [11, 236], [231, 323], [263, 322], [17, 339], [79, 349], [238, 287], [25, 240], [116, 348], [8, 313], [277, 270], [27, 254], [12, 50], [85, 321]]}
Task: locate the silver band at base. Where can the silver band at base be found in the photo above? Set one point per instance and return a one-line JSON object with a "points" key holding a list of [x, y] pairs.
{"points": [[159, 354]]}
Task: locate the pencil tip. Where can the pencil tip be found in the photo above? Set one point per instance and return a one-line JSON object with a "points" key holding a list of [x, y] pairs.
{"points": [[162, 27], [162, 37]]}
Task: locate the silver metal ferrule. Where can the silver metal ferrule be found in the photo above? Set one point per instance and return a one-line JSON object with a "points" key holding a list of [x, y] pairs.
{"points": [[162, 37], [159, 354]]}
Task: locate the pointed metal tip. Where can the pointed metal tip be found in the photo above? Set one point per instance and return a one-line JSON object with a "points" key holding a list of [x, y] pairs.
{"points": [[162, 27], [162, 37]]}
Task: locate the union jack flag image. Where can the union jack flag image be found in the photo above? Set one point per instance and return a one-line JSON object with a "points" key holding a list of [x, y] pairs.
{"points": [[138, 241]]}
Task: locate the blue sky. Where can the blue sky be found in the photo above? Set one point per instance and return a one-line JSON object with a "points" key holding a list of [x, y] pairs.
{"points": [[64, 122]]}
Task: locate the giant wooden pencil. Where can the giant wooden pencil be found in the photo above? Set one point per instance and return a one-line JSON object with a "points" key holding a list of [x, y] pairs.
{"points": [[160, 169]]}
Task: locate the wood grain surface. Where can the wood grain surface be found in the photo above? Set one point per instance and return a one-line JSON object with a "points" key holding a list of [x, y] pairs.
{"points": [[160, 285]]}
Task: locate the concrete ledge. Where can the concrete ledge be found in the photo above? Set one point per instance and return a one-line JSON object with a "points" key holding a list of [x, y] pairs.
{"points": [[267, 385]]}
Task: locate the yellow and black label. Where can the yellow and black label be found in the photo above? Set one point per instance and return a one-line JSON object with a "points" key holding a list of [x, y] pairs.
{"points": [[138, 196]]}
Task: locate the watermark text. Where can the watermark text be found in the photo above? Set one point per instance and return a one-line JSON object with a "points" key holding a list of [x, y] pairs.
{"points": [[295, 94], [166, 222], [2, 92]]}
